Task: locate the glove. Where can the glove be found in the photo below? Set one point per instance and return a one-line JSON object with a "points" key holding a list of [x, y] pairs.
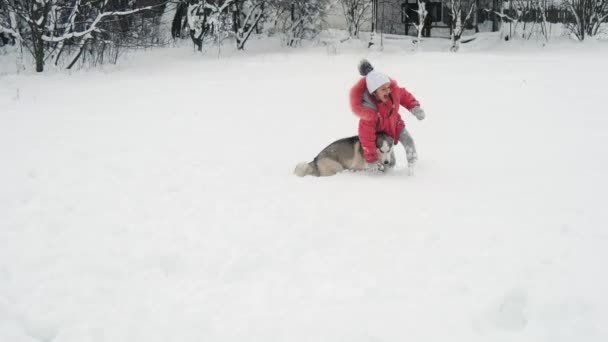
{"points": [[375, 167], [418, 113]]}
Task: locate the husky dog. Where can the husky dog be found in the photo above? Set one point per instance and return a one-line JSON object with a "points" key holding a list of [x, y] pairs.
{"points": [[347, 154]]}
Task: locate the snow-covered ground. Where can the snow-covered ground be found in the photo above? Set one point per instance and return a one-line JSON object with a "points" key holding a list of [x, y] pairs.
{"points": [[156, 202]]}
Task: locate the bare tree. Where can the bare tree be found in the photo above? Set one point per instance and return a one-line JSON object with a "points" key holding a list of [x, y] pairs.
{"points": [[421, 14], [461, 12], [297, 19], [504, 19], [588, 17], [219, 20], [9, 26], [197, 20], [540, 24], [246, 16], [44, 27], [355, 13]]}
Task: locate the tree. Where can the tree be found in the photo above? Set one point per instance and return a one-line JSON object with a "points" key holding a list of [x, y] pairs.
{"points": [[540, 24], [588, 16], [297, 19], [198, 21], [44, 27], [355, 12], [178, 24], [421, 14], [246, 16], [461, 14], [204, 17]]}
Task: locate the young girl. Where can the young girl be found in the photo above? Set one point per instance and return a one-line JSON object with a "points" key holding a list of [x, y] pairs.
{"points": [[375, 99]]}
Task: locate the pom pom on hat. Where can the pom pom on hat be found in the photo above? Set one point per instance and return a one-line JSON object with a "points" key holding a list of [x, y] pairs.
{"points": [[373, 79], [365, 67]]}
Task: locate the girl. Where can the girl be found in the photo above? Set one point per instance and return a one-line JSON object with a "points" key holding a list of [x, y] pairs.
{"points": [[375, 99]]}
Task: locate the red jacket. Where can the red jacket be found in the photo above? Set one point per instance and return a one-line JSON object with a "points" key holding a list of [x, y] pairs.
{"points": [[376, 116]]}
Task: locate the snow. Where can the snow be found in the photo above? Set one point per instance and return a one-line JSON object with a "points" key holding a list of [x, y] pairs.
{"points": [[155, 201]]}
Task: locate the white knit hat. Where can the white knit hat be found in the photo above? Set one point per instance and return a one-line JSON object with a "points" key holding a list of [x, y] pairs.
{"points": [[375, 80]]}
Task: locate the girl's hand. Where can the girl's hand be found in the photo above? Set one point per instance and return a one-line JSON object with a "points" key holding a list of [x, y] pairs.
{"points": [[418, 113]]}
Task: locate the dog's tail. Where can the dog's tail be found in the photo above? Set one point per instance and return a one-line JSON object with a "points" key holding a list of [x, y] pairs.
{"points": [[305, 169]]}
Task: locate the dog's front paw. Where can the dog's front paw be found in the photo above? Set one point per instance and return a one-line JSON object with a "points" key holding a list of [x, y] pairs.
{"points": [[375, 167]]}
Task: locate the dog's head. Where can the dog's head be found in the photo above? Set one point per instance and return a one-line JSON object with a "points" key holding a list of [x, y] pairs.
{"points": [[384, 147]]}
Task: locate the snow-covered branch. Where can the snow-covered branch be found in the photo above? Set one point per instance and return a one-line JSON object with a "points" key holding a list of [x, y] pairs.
{"points": [[245, 28], [8, 30], [502, 16], [218, 9], [93, 26], [43, 26]]}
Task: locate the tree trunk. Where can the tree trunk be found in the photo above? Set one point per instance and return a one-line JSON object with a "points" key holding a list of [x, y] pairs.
{"points": [[421, 21], [243, 35], [78, 55], [237, 26], [61, 47], [39, 52]]}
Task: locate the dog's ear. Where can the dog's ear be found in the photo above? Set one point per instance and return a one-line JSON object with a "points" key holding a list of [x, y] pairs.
{"points": [[380, 138], [390, 141]]}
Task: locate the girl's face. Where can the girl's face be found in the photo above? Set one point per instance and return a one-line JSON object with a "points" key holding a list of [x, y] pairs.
{"points": [[383, 92]]}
